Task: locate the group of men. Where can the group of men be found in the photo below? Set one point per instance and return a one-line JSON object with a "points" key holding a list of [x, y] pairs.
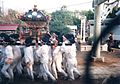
{"points": [[54, 56]]}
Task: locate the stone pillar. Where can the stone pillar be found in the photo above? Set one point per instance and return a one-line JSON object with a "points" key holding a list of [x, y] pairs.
{"points": [[97, 29], [84, 29], [81, 28], [97, 26]]}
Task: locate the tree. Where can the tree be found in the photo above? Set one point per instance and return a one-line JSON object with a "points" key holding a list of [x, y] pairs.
{"points": [[11, 17], [89, 14], [77, 21], [60, 20]]}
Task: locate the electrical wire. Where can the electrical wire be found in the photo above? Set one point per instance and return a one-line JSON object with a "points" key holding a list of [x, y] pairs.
{"points": [[70, 5]]}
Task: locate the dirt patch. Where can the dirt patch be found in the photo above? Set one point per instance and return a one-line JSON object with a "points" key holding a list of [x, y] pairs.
{"points": [[110, 58]]}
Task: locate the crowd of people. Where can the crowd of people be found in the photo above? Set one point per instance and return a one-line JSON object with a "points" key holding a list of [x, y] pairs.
{"points": [[55, 55]]}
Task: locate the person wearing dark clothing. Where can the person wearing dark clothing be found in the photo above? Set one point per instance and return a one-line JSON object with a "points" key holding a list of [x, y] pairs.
{"points": [[28, 41], [110, 42]]}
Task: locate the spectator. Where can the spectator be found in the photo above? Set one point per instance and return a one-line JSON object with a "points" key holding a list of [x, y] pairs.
{"points": [[110, 42]]}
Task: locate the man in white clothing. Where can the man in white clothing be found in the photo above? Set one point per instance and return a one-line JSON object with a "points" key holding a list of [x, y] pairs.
{"points": [[12, 56], [43, 54], [57, 60], [28, 56], [70, 55], [6, 70]]}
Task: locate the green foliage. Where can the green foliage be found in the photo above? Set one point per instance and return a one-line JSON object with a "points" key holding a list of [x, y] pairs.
{"points": [[89, 14], [77, 22], [59, 27], [60, 19], [62, 16]]}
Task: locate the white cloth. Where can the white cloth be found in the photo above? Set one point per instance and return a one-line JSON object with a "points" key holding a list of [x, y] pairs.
{"points": [[29, 59], [43, 53], [45, 72], [9, 52], [71, 61], [6, 70], [28, 54], [57, 62], [70, 50]]}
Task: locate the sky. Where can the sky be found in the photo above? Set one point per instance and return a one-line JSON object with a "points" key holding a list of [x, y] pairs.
{"points": [[48, 5]]}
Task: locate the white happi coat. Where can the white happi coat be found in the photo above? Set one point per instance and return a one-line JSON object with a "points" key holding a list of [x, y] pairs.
{"points": [[6, 70], [57, 62], [9, 52], [28, 55], [43, 54], [71, 54], [12, 53], [29, 59], [71, 61]]}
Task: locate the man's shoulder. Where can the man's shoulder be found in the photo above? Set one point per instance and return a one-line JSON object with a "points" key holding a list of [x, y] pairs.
{"points": [[8, 47]]}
